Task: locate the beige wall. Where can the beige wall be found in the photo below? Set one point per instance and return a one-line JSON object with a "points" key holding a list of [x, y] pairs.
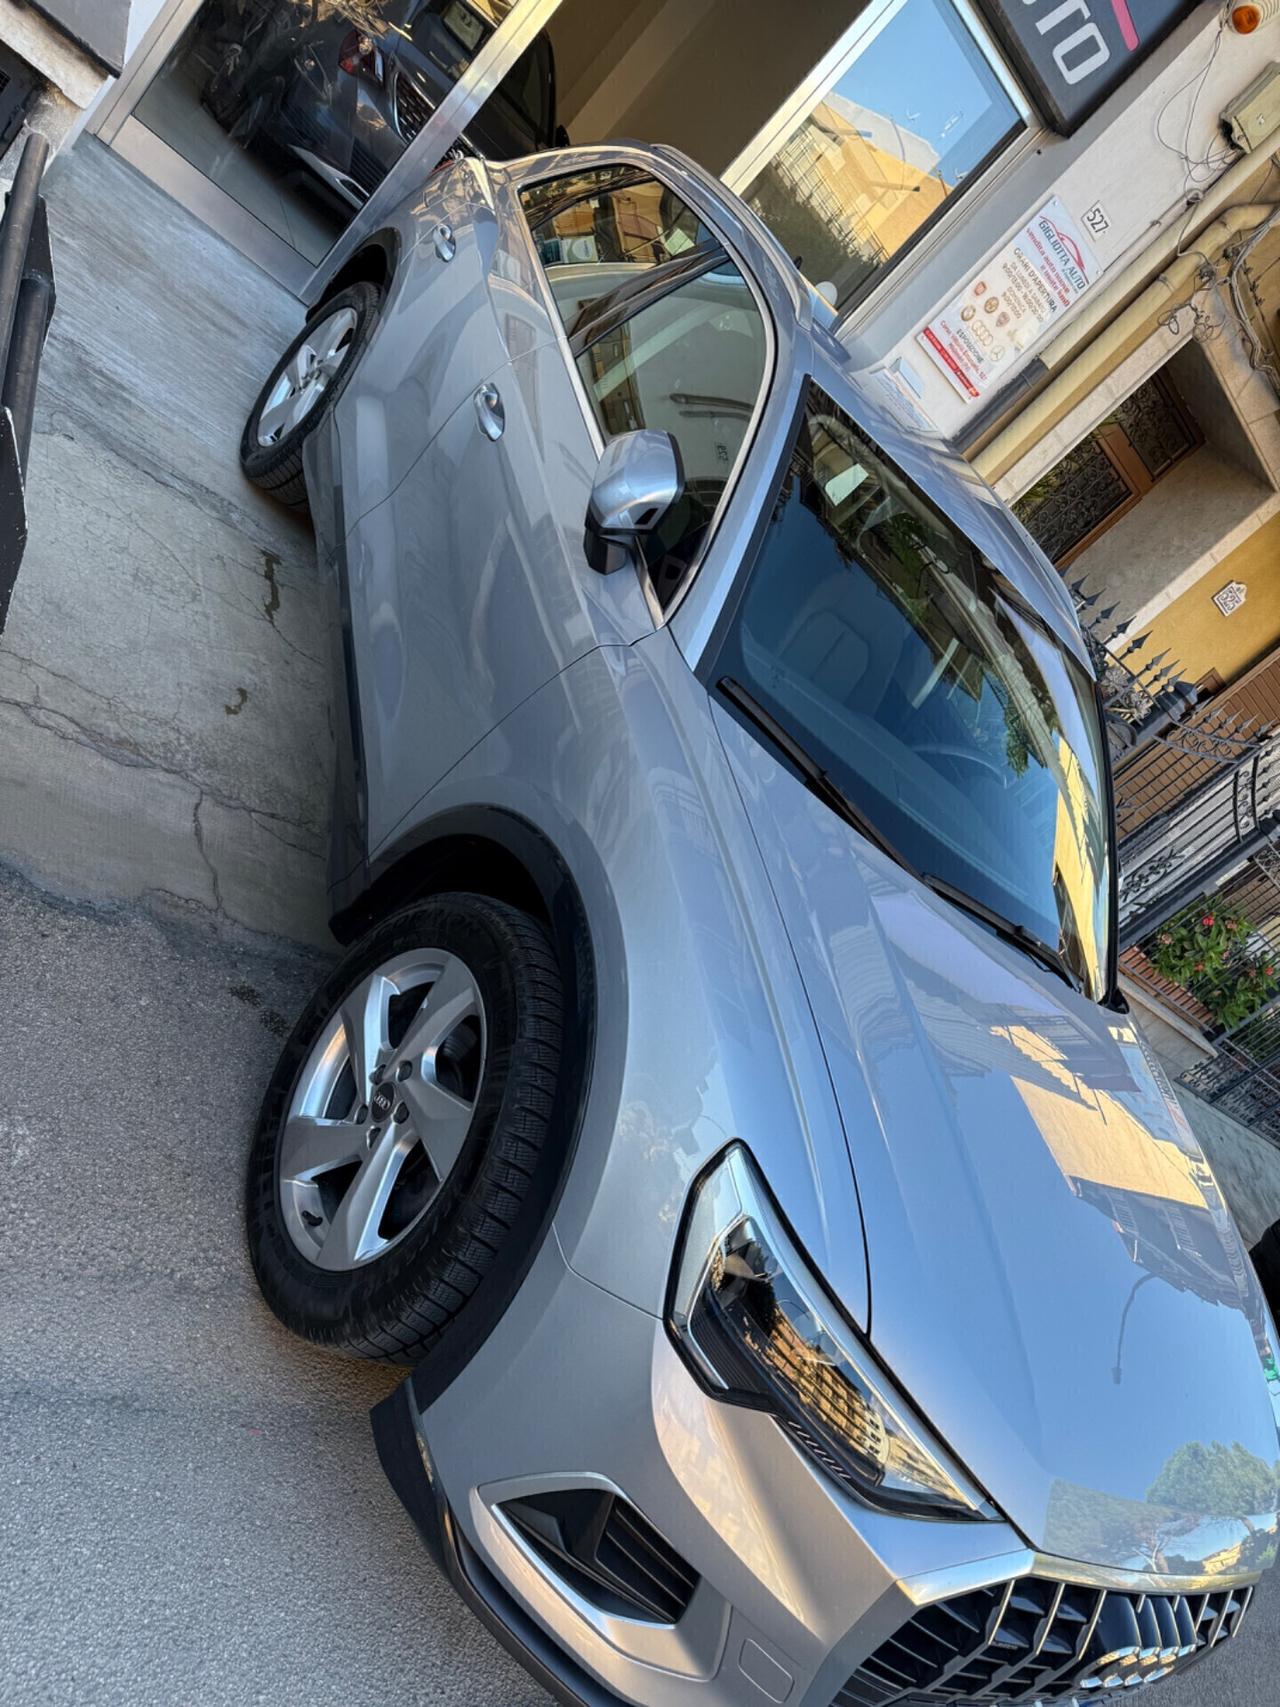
{"points": [[1195, 630]]}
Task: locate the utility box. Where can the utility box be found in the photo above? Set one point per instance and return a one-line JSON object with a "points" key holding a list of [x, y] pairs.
{"points": [[1251, 117]]}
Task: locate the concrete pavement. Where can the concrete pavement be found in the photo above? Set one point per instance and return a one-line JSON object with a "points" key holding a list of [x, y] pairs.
{"points": [[191, 1508], [164, 675]]}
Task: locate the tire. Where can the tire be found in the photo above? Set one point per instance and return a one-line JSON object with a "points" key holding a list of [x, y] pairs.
{"points": [[276, 467], [399, 1305]]}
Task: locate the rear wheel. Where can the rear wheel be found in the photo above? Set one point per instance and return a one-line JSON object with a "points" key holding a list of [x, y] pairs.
{"points": [[302, 390], [407, 1123]]}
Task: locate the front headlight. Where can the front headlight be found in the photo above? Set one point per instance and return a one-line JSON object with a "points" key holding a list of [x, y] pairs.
{"points": [[758, 1329]]}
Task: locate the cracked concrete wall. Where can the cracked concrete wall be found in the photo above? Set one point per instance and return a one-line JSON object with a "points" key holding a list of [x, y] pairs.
{"points": [[164, 676]]}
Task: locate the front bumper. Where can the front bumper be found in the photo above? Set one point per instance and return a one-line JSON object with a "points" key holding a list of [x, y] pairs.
{"points": [[797, 1586]]}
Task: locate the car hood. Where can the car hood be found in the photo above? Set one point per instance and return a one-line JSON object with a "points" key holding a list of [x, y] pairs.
{"points": [[1055, 1280]]}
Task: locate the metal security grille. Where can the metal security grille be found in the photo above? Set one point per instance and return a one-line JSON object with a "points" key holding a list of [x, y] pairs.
{"points": [[1107, 473], [1036, 1640]]}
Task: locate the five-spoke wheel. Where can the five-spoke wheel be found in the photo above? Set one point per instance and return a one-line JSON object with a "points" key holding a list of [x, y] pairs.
{"points": [[382, 1108], [408, 1142]]}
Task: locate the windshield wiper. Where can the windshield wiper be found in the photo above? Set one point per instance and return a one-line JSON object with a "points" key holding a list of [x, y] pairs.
{"points": [[1007, 929], [819, 782], [815, 778]]}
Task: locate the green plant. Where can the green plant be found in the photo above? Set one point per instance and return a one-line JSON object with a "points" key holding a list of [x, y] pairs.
{"points": [[1205, 948]]}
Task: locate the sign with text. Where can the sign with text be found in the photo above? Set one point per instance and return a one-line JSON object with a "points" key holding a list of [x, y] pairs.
{"points": [[1071, 54], [1031, 282]]}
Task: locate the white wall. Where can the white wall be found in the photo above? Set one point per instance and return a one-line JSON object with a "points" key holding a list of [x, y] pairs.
{"points": [[1117, 159]]}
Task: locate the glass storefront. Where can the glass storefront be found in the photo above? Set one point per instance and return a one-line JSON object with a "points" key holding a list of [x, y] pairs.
{"points": [[298, 109], [879, 154], [285, 116]]}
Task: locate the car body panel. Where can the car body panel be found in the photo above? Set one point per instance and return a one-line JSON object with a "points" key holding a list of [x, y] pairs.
{"points": [[703, 1031], [1024, 1174], [476, 561]]}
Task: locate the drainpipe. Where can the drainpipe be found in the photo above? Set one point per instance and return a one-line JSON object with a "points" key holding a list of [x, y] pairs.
{"points": [[993, 460]]}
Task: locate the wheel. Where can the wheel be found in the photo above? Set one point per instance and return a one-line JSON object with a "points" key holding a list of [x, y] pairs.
{"points": [[407, 1122], [303, 387]]}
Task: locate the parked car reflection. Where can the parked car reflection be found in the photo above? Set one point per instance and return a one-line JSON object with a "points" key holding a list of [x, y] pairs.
{"points": [[344, 88]]}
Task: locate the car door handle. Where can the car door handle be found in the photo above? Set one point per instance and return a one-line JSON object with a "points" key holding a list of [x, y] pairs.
{"points": [[489, 411], [445, 242]]}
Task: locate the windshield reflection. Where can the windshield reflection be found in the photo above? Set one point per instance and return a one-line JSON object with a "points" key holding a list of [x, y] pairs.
{"points": [[895, 654]]}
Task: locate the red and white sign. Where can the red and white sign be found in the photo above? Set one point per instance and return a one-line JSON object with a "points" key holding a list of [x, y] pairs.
{"points": [[1031, 283]]}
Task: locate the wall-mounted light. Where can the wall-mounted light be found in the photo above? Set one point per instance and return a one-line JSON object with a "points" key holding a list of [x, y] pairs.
{"points": [[1252, 14]]}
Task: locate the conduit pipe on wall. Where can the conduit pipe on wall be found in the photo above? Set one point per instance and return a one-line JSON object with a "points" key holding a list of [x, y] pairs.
{"points": [[1075, 371], [996, 458]]}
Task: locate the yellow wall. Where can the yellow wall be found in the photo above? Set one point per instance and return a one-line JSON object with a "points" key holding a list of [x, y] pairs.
{"points": [[1195, 630]]}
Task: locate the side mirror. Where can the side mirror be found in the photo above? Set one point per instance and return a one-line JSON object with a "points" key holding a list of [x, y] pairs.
{"points": [[639, 478]]}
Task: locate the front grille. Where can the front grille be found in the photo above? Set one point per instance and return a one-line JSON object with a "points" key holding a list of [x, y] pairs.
{"points": [[412, 109], [1034, 1640], [606, 1551]]}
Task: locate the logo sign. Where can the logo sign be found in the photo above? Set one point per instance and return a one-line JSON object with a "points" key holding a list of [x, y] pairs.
{"points": [[1025, 288], [1071, 54], [1229, 598]]}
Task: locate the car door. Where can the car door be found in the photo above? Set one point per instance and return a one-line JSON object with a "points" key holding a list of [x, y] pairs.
{"points": [[469, 582]]}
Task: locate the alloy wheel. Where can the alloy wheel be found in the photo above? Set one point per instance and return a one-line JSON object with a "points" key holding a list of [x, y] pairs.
{"points": [[307, 375], [382, 1108]]}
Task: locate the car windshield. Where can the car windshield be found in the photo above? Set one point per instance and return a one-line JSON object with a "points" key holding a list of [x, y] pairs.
{"points": [[888, 648]]}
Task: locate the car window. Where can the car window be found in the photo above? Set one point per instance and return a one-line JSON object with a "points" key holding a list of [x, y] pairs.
{"points": [[665, 331], [885, 644], [690, 364], [598, 230]]}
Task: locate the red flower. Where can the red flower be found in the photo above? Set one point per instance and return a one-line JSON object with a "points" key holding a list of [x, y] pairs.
{"points": [[1207, 921], [1269, 971], [1233, 924], [1199, 966]]}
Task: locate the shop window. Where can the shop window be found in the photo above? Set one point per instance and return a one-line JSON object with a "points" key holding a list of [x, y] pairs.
{"points": [[851, 184], [1100, 481]]}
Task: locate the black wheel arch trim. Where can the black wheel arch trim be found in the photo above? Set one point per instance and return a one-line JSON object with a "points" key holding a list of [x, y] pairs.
{"points": [[431, 860]]}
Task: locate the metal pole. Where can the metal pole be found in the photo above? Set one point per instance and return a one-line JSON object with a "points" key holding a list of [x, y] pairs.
{"points": [[15, 229], [30, 323]]}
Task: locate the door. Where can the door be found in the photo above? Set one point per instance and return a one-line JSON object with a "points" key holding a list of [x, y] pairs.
{"points": [[469, 583]]}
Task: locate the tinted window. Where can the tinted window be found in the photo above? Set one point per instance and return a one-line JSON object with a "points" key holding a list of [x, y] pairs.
{"points": [[889, 648], [664, 328]]}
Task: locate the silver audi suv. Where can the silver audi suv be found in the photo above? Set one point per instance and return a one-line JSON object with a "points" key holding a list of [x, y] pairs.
{"points": [[725, 1099]]}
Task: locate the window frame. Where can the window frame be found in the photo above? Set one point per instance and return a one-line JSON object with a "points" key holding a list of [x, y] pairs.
{"points": [[661, 614], [774, 134]]}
